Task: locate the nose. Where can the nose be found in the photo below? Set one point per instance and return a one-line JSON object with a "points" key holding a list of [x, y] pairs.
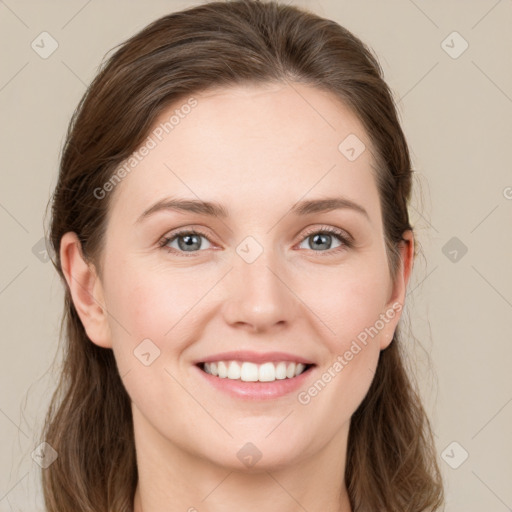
{"points": [[259, 295]]}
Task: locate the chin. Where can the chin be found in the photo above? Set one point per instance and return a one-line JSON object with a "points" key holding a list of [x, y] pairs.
{"points": [[254, 457]]}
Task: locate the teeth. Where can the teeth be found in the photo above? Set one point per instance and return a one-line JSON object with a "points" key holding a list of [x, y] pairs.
{"points": [[248, 371], [299, 369], [267, 372], [281, 371], [234, 371], [221, 369], [251, 372]]}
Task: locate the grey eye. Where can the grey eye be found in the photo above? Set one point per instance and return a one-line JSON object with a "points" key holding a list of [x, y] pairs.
{"points": [[187, 242], [320, 241]]}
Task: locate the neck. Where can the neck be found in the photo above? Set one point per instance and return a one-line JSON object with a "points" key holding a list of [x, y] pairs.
{"points": [[234, 492]]}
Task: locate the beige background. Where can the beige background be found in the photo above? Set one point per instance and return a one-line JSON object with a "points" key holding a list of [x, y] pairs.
{"points": [[457, 115]]}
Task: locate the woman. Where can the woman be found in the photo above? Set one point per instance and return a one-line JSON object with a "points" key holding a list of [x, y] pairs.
{"points": [[231, 226]]}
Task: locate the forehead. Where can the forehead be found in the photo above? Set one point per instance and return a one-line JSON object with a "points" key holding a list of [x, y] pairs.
{"points": [[252, 145]]}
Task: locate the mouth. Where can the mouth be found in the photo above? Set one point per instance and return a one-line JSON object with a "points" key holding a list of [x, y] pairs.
{"points": [[261, 376], [247, 371]]}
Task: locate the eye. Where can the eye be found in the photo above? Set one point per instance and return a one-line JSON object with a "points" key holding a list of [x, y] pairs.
{"points": [[320, 240], [187, 241]]}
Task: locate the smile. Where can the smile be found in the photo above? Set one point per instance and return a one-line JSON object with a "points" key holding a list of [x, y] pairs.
{"points": [[249, 375], [247, 371]]}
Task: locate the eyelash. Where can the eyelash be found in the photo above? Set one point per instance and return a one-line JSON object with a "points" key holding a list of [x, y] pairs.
{"points": [[344, 238]]}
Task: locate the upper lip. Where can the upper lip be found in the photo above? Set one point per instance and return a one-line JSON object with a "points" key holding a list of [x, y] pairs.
{"points": [[254, 357]]}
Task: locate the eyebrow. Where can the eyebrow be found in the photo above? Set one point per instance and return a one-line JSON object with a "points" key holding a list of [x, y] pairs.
{"points": [[214, 209]]}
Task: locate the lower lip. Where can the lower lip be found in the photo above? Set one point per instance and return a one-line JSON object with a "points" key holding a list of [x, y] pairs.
{"points": [[257, 390]]}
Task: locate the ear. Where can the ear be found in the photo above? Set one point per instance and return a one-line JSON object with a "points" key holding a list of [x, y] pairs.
{"points": [[396, 301], [86, 290]]}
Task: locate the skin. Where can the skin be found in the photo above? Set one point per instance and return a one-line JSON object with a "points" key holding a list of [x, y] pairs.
{"points": [[257, 149]]}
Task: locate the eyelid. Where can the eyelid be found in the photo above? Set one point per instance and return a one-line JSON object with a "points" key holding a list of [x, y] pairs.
{"points": [[343, 234]]}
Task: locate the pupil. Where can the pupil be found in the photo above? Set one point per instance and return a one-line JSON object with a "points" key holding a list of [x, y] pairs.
{"points": [[189, 241], [322, 239]]}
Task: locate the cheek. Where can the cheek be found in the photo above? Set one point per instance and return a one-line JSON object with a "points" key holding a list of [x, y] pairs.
{"points": [[353, 305], [348, 300], [150, 303], [168, 308], [150, 314], [331, 400], [144, 306]]}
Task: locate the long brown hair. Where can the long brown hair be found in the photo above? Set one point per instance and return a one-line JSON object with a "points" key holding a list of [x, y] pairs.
{"points": [[391, 457]]}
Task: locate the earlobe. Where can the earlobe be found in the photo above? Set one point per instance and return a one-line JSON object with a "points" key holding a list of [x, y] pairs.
{"points": [[86, 290], [396, 303]]}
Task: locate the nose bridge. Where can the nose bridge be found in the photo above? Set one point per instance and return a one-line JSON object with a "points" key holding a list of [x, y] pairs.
{"points": [[258, 295]]}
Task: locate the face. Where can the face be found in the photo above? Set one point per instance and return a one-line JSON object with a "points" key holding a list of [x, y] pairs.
{"points": [[268, 275]]}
